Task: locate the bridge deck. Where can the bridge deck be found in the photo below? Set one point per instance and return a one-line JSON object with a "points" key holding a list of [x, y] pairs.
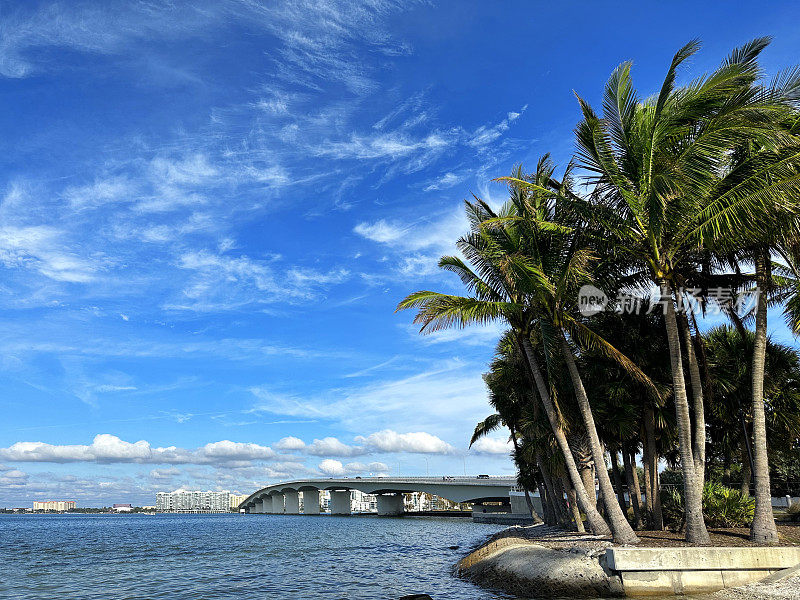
{"points": [[455, 489]]}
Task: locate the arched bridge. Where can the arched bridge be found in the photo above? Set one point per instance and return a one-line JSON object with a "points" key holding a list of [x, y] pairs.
{"points": [[284, 498]]}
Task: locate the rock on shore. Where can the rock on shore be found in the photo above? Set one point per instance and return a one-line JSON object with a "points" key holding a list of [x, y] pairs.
{"points": [[517, 567]]}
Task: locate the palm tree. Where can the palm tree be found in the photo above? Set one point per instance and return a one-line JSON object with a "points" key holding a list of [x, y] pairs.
{"points": [[557, 263], [500, 287], [729, 350], [507, 392], [655, 166]]}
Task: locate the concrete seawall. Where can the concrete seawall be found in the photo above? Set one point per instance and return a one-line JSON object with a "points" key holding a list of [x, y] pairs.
{"points": [[665, 571], [526, 568]]}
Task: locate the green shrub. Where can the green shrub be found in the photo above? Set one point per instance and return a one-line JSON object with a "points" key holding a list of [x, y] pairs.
{"points": [[722, 506], [672, 507], [727, 507], [793, 512]]}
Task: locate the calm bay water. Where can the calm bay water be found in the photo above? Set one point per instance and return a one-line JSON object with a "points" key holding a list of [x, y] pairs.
{"points": [[253, 557]]}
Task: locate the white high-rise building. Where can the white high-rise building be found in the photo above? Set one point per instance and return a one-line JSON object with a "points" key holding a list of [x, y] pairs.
{"points": [[363, 503], [193, 501]]}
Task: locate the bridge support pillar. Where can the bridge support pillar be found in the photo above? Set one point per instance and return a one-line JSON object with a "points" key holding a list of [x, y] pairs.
{"points": [[267, 504], [258, 507], [340, 502], [292, 502], [390, 505], [277, 504], [311, 502]]}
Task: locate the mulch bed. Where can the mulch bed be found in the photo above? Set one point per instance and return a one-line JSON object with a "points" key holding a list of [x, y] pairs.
{"points": [[555, 538], [734, 536]]}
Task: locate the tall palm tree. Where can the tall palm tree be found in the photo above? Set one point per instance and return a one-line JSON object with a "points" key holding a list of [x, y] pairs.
{"points": [[500, 287], [655, 166], [507, 393], [558, 261]]}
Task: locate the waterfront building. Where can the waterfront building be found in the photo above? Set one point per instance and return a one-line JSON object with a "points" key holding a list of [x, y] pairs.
{"points": [[185, 501], [363, 503], [122, 507], [417, 501], [57, 505], [236, 500]]}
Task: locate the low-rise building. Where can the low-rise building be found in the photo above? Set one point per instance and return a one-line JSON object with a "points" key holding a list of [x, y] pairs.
{"points": [[122, 507], [57, 505]]}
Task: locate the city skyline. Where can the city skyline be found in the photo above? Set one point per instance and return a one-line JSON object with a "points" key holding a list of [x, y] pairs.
{"points": [[209, 217]]}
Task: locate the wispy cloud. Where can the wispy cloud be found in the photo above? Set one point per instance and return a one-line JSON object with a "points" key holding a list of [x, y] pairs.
{"points": [[42, 248], [452, 392]]}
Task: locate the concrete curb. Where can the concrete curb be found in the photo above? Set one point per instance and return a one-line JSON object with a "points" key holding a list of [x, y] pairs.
{"points": [[781, 575]]}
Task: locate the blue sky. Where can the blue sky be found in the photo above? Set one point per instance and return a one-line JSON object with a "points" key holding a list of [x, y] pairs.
{"points": [[209, 211]]}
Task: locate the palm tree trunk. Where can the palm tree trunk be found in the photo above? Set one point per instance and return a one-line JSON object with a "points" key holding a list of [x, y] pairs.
{"points": [[763, 530], [747, 475], [547, 509], [651, 468], [536, 518], [597, 524], [573, 507], [583, 456], [699, 440], [615, 474], [648, 491], [552, 494], [696, 532], [620, 528], [634, 493], [565, 520]]}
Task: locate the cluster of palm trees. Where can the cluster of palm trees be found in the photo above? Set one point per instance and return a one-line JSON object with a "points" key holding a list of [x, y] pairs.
{"points": [[688, 192]]}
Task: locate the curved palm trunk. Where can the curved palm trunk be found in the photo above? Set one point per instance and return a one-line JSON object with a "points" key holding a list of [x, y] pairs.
{"points": [[583, 457], [555, 508], [620, 528], [547, 509], [534, 515], [696, 532], [596, 522], [573, 506], [763, 530]]}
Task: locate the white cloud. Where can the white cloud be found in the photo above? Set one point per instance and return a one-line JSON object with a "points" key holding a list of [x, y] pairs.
{"points": [[335, 468], [386, 146], [475, 335], [381, 231], [445, 181], [167, 473], [290, 443], [220, 282], [331, 446], [332, 467], [485, 135], [43, 248], [419, 244], [101, 192], [488, 445], [107, 448], [453, 394], [417, 442]]}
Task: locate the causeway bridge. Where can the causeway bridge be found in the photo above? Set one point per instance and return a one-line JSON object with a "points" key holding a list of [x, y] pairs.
{"points": [[284, 498]]}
